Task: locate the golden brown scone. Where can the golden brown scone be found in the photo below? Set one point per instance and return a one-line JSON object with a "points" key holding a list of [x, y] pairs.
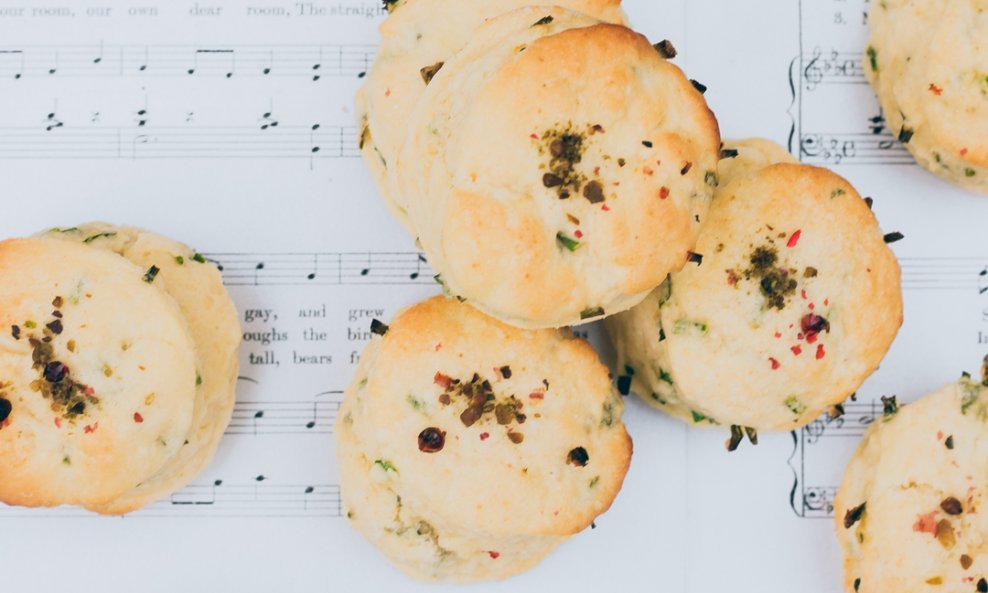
{"points": [[637, 335], [580, 201], [928, 63], [197, 288], [98, 375], [415, 43], [910, 513], [793, 303], [493, 444]]}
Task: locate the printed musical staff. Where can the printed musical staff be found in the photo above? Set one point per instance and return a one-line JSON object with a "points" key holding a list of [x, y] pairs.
{"points": [[832, 67], [284, 417], [309, 61], [853, 149], [256, 269], [256, 498], [165, 142]]}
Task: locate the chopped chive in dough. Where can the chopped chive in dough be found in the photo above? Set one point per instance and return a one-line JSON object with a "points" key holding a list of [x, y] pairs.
{"points": [[710, 178], [752, 434], [647, 143], [854, 515], [390, 5], [592, 312], [838, 192], [365, 137], [857, 584], [429, 72], [873, 62], [905, 135], [68, 230], [664, 376], [889, 406], [151, 273], [30, 324], [702, 88], [624, 384], [969, 172], [92, 238], [795, 406], [180, 260], [385, 465], [970, 396], [568, 242], [684, 326], [543, 21], [698, 417], [198, 257], [893, 237], [869, 202], [666, 49], [686, 168], [728, 153], [378, 328], [736, 437], [695, 258]]}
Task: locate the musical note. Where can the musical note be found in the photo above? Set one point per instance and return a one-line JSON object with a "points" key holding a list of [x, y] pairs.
{"points": [[285, 417], [267, 121], [52, 122], [53, 68], [222, 60], [99, 58], [315, 67], [853, 149], [13, 61], [983, 281]]}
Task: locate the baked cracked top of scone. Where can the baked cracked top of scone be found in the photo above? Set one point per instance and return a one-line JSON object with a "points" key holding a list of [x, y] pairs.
{"points": [[416, 41], [197, 287], [557, 173], [928, 62], [910, 511], [485, 428], [792, 301], [97, 374]]}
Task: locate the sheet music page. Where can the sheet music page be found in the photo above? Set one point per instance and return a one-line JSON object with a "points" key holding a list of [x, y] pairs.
{"points": [[229, 126]]}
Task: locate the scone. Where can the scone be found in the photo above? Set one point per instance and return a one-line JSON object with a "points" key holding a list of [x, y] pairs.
{"points": [[791, 302], [911, 512], [116, 390], [928, 63], [197, 288], [415, 44], [470, 449], [557, 172]]}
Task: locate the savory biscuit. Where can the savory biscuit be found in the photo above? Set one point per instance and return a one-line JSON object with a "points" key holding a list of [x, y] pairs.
{"points": [[197, 287], [791, 303], [575, 204], [910, 511], [97, 375], [469, 449], [928, 63], [415, 43]]}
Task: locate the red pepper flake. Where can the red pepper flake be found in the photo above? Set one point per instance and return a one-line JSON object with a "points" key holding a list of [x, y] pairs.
{"points": [[800, 336], [439, 347], [494, 555], [648, 171], [796, 350], [802, 293], [775, 363], [138, 418], [484, 436], [88, 429], [812, 306], [778, 334], [811, 338], [578, 234], [605, 208], [819, 352], [936, 90], [663, 193], [596, 170], [794, 238], [826, 302], [90, 391], [536, 395], [387, 93], [963, 152], [442, 380], [534, 136], [939, 435], [926, 523], [58, 422], [5, 423]]}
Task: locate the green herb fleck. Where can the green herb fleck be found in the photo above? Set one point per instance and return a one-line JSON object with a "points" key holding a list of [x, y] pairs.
{"points": [[198, 257], [969, 172], [150, 275], [873, 58], [664, 376], [905, 135], [92, 238], [68, 230], [198, 379], [543, 21], [592, 312], [180, 260], [837, 193], [30, 324], [594, 481], [684, 326], [711, 179], [795, 406], [66, 460], [568, 242], [386, 465]]}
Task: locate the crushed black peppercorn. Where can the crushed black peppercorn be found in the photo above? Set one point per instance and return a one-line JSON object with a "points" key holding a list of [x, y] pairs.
{"points": [[982, 586], [893, 237], [150, 275], [702, 88], [952, 506], [624, 384], [854, 515], [949, 443], [728, 153], [432, 440], [378, 328], [578, 457]]}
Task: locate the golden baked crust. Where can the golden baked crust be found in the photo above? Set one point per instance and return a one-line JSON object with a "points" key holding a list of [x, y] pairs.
{"points": [[535, 459], [566, 208], [928, 63], [416, 38], [197, 288], [637, 334], [910, 510], [108, 400]]}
